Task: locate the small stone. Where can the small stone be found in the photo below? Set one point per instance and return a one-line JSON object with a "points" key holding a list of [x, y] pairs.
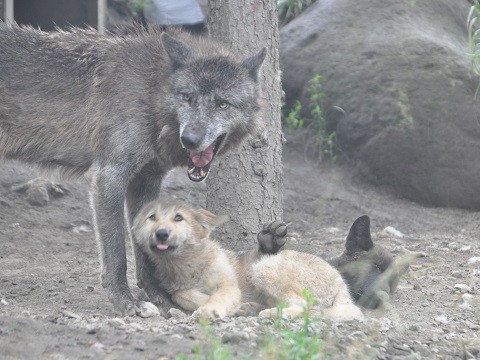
{"points": [[332, 230], [463, 288], [457, 274], [417, 287], [441, 319], [71, 315], [90, 288], [4, 302], [99, 345], [465, 248], [234, 337], [147, 309], [413, 328], [117, 323], [473, 260], [136, 327], [176, 314], [390, 230]]}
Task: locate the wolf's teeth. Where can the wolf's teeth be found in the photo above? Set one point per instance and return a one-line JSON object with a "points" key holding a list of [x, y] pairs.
{"points": [[202, 173], [190, 171]]}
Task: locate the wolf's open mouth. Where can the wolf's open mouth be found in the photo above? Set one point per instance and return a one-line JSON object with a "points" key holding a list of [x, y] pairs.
{"points": [[199, 162]]}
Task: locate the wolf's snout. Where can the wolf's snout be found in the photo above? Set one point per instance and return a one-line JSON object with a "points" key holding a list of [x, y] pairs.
{"points": [[162, 235], [190, 140]]}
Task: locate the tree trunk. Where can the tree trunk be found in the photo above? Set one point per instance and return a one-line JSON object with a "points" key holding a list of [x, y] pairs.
{"points": [[2, 10], [247, 184]]}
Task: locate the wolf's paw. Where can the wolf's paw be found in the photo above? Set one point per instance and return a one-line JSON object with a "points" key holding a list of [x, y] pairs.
{"points": [[209, 312], [146, 309], [249, 309], [272, 238]]}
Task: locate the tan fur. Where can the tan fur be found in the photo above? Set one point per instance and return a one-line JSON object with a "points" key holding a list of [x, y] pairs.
{"points": [[204, 278]]}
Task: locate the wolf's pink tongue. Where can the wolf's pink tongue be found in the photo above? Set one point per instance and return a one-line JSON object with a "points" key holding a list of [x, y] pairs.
{"points": [[162, 247], [202, 158]]}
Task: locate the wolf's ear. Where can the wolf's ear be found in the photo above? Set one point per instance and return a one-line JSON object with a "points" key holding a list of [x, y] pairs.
{"points": [[254, 63], [178, 52], [359, 237], [208, 220]]}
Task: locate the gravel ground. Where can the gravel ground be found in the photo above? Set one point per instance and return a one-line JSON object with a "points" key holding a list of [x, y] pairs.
{"points": [[52, 306]]}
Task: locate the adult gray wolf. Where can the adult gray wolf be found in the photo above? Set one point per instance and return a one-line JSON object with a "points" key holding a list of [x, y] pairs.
{"points": [[129, 109], [213, 282]]}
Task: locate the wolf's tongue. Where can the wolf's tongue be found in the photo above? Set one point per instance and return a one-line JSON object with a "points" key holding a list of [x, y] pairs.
{"points": [[162, 247], [202, 158]]}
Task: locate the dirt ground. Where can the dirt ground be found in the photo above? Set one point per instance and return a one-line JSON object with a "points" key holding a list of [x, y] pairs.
{"points": [[53, 307]]}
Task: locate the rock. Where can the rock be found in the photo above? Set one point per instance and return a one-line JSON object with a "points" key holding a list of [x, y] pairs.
{"points": [[441, 319], [71, 315], [402, 105], [39, 190], [147, 309], [176, 314], [473, 260], [234, 337], [457, 274], [413, 328], [463, 288], [389, 230], [117, 323]]}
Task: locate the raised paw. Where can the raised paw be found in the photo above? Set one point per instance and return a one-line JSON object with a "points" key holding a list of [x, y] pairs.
{"points": [[272, 238]]}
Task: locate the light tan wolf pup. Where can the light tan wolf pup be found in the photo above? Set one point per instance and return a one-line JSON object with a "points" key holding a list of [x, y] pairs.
{"points": [[213, 282]]}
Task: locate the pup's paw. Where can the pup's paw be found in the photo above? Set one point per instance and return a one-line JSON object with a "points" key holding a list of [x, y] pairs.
{"points": [[249, 309], [272, 238], [147, 309], [209, 312]]}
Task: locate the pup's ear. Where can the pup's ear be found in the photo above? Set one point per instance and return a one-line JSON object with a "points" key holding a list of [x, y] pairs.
{"points": [[359, 236], [178, 52], [254, 63], [208, 220]]}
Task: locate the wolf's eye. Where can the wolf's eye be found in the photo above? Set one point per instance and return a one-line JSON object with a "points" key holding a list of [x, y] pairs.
{"points": [[186, 97], [178, 217], [223, 105], [152, 217]]}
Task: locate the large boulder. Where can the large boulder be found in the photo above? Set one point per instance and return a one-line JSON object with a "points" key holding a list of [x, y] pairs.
{"points": [[401, 72]]}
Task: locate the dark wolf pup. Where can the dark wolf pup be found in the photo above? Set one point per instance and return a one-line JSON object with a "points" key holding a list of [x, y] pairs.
{"points": [[128, 108]]}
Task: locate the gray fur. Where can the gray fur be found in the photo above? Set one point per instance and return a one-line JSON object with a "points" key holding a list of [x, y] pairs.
{"points": [[79, 100]]}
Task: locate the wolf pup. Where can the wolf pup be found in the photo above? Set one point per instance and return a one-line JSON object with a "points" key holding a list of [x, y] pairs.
{"points": [[128, 108], [369, 270], [204, 278]]}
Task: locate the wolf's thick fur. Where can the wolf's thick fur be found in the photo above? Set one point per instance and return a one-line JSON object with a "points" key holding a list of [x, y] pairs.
{"points": [[202, 277], [122, 107]]}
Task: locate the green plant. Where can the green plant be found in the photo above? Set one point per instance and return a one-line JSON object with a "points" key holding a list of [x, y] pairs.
{"points": [[323, 142], [292, 343], [289, 9], [139, 5], [294, 118], [210, 348]]}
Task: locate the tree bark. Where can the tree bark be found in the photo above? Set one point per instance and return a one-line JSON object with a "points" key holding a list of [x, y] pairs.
{"points": [[247, 185], [2, 10]]}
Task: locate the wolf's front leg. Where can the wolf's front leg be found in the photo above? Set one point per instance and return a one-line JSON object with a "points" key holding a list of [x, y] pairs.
{"points": [[190, 299], [145, 187], [272, 237], [224, 302], [107, 200]]}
